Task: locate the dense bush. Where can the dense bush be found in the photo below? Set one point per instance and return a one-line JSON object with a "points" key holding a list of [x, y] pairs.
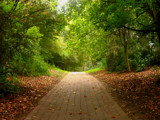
{"points": [[67, 62], [29, 65], [115, 61], [8, 83]]}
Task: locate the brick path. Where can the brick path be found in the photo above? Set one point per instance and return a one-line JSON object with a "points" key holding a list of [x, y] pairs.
{"points": [[78, 96]]}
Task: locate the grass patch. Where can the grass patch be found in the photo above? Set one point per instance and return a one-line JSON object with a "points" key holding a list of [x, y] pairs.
{"points": [[60, 70], [57, 72], [94, 70]]}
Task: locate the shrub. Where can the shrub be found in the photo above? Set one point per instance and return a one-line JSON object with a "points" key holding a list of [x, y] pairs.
{"points": [[116, 62], [29, 65], [8, 83], [139, 62]]}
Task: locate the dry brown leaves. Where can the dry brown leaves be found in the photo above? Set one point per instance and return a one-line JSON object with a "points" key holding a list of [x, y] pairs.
{"points": [[14, 107], [140, 88]]}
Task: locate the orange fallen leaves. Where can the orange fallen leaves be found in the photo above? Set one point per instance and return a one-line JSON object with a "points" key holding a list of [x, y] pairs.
{"points": [[86, 113], [80, 113], [156, 107], [33, 89], [123, 106], [24, 107], [85, 96], [70, 113], [45, 12]]}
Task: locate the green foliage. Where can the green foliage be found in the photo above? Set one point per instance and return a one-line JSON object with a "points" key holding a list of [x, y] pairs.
{"points": [[138, 63], [34, 66], [24, 28], [120, 31], [141, 54], [66, 62], [34, 32], [8, 85], [27, 34], [6, 7], [115, 61]]}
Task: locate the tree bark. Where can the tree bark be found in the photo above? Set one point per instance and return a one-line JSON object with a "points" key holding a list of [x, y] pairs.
{"points": [[126, 58], [1, 47], [158, 34], [124, 38], [157, 24]]}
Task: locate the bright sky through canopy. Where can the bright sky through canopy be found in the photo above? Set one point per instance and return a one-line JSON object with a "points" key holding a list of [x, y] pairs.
{"points": [[62, 3]]}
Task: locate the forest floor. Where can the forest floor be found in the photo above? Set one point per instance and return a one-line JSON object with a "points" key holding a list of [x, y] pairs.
{"points": [[17, 106], [138, 94]]}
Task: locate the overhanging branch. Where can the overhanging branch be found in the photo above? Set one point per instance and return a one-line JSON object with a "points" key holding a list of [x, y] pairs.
{"points": [[144, 31]]}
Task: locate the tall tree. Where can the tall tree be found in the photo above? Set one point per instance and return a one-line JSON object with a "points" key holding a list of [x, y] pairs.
{"points": [[124, 38]]}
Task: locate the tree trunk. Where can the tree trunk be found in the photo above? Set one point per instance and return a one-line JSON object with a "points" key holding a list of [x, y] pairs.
{"points": [[124, 41], [158, 34], [84, 67], [1, 49], [157, 25], [126, 58]]}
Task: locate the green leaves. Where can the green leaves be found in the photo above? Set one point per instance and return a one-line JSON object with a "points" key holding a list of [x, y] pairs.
{"points": [[34, 32], [119, 19], [6, 7]]}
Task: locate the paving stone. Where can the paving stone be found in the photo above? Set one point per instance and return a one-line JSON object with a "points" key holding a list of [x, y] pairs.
{"points": [[78, 96]]}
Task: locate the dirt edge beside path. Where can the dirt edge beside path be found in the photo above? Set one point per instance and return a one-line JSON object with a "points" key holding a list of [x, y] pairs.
{"points": [[16, 107]]}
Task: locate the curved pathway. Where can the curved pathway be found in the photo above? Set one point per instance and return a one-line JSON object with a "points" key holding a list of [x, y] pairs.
{"points": [[78, 96]]}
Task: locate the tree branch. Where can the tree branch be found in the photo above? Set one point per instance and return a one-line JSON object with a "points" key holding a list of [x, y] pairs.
{"points": [[120, 37], [144, 31], [132, 3], [141, 24], [14, 7]]}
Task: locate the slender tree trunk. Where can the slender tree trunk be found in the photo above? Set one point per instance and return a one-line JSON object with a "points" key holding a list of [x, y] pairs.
{"points": [[158, 34], [126, 58], [124, 38], [156, 19], [158, 28], [1, 48], [84, 67]]}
